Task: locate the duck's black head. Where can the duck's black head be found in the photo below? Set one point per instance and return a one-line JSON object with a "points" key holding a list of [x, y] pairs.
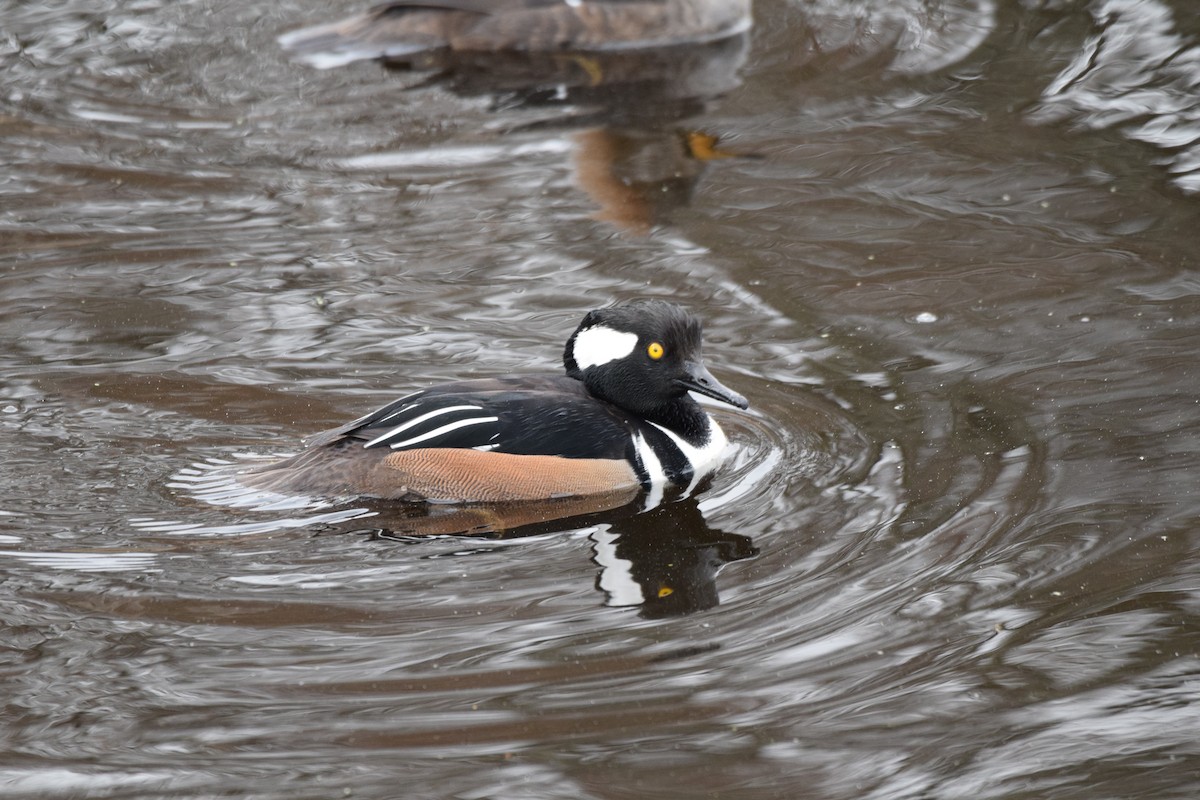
{"points": [[643, 356]]}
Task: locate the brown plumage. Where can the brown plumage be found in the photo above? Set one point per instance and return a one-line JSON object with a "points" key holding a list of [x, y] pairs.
{"points": [[442, 474], [402, 30]]}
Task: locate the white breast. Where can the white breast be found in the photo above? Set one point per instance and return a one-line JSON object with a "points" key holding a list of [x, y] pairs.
{"points": [[704, 459]]}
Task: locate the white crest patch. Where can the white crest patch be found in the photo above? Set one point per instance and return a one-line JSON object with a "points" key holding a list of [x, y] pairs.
{"points": [[601, 344]]}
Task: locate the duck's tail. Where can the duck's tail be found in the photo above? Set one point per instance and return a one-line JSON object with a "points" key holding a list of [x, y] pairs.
{"points": [[221, 483]]}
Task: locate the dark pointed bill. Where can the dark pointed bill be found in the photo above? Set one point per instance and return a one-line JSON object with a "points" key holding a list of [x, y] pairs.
{"points": [[698, 379]]}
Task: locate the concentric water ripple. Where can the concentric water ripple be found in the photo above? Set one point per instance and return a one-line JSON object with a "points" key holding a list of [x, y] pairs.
{"points": [[946, 248]]}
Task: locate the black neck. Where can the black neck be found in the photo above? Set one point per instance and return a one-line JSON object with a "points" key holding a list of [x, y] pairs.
{"points": [[684, 417]]}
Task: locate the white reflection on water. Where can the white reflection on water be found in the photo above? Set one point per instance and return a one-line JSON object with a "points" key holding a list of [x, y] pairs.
{"points": [[453, 156], [53, 781], [922, 37], [86, 561], [1138, 74], [248, 528], [213, 482]]}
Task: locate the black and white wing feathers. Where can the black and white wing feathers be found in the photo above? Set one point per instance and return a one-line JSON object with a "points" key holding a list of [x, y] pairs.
{"points": [[542, 416], [423, 419]]}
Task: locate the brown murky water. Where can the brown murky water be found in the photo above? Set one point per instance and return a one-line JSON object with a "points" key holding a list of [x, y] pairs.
{"points": [[951, 261]]}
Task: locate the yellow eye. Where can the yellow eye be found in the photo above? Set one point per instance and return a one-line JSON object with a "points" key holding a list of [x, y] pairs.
{"points": [[655, 351]]}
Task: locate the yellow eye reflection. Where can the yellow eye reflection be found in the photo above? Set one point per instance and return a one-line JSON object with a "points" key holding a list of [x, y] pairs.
{"points": [[655, 351]]}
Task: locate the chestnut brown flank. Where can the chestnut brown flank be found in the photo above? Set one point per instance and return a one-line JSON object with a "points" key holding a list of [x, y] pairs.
{"points": [[474, 475], [446, 474]]}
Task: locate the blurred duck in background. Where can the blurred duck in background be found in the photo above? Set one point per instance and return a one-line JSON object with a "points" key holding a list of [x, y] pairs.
{"points": [[413, 31]]}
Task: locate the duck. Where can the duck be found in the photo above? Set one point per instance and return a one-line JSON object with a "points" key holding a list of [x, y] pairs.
{"points": [[404, 31], [623, 418]]}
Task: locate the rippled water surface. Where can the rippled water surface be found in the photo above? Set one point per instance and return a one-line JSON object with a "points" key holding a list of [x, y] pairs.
{"points": [[947, 249]]}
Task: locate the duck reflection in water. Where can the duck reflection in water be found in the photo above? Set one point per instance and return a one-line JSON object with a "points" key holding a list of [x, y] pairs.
{"points": [[664, 560], [623, 73]]}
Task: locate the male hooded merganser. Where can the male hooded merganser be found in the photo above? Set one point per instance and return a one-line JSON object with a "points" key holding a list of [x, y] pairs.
{"points": [[620, 419], [400, 31]]}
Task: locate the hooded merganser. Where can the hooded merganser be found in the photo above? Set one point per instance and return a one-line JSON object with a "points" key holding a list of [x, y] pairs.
{"points": [[620, 419], [402, 31]]}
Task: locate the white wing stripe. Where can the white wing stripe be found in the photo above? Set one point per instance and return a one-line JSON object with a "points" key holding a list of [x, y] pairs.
{"points": [[405, 409], [402, 409], [402, 428], [442, 431]]}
